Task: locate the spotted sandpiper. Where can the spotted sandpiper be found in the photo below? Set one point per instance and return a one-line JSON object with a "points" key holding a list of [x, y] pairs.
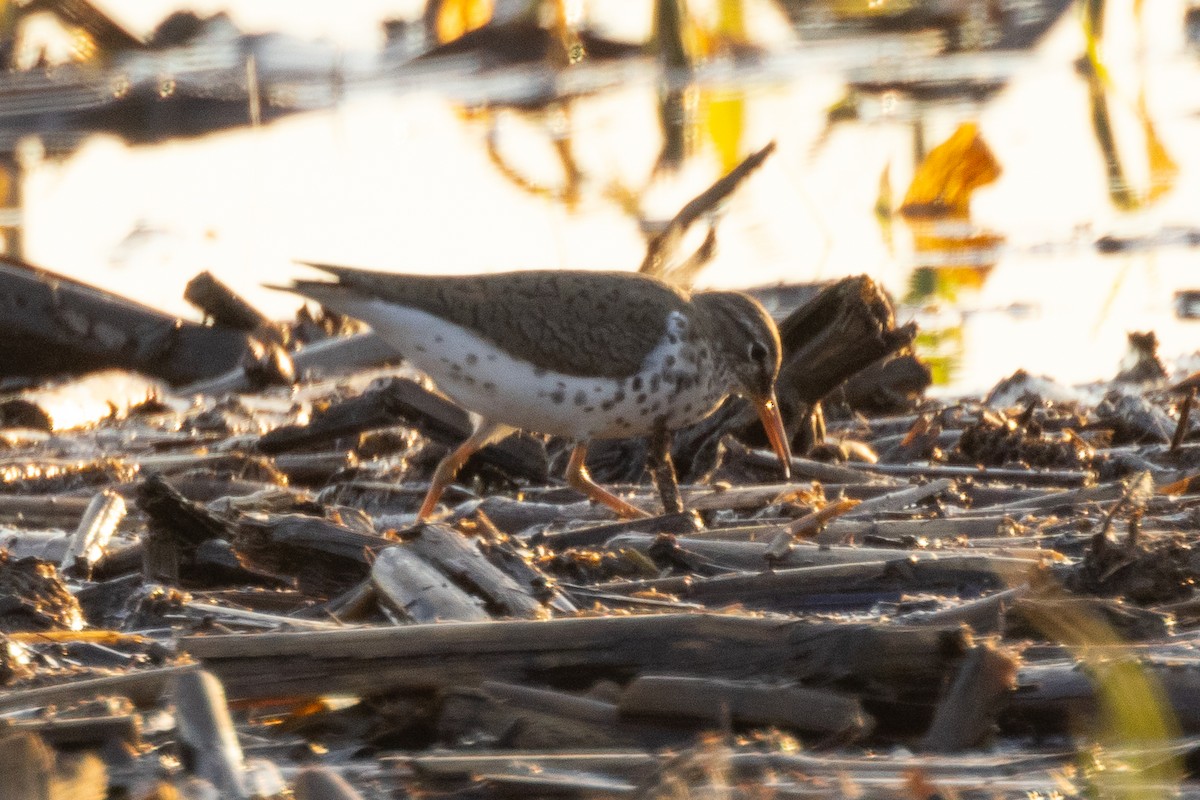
{"points": [[582, 355]]}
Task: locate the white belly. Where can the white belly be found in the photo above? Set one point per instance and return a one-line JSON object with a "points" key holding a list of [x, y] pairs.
{"points": [[484, 379]]}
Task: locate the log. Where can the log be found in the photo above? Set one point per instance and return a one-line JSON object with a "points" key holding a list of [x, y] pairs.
{"points": [[842, 330], [912, 662], [54, 325], [1068, 695]]}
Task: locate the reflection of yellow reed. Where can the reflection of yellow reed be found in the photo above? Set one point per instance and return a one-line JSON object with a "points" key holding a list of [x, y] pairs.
{"points": [[1162, 168]]}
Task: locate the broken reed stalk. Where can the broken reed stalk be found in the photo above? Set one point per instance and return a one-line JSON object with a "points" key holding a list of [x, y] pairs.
{"points": [[666, 242], [1185, 412]]}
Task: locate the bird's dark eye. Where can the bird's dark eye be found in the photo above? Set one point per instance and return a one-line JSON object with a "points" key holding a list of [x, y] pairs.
{"points": [[758, 352]]}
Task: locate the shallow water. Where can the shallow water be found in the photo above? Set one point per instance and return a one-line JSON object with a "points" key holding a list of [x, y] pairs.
{"points": [[397, 174]]}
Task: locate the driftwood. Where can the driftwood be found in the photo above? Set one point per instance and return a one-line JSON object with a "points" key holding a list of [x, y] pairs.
{"points": [[143, 687], [78, 402], [895, 501], [319, 783], [842, 330], [335, 355], [853, 585], [420, 657], [100, 520], [531, 719], [889, 386], [54, 325], [1068, 695], [599, 534], [461, 560], [52, 512], [718, 702], [414, 589], [967, 714], [206, 733], [94, 731], [226, 308], [400, 401]]}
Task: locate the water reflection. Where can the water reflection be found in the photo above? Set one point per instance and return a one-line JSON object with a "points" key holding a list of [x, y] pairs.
{"points": [[437, 168]]}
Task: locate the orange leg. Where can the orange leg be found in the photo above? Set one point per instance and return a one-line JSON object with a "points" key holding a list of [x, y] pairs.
{"points": [[579, 479], [485, 434]]}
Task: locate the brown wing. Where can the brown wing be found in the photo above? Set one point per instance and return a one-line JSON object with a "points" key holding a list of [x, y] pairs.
{"points": [[574, 322]]}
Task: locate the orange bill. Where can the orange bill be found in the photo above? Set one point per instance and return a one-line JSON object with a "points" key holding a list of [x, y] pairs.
{"points": [[768, 412]]}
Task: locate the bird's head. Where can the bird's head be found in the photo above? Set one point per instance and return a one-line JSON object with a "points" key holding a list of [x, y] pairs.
{"points": [[748, 348]]}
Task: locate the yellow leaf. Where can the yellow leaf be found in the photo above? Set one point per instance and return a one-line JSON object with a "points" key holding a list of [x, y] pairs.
{"points": [[953, 170]]}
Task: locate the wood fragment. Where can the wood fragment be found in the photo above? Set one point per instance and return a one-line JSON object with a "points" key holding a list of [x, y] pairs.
{"points": [[413, 588], [226, 308], [143, 687], [712, 700], [967, 714], [461, 560], [100, 520], [1185, 413], [334, 355], [321, 783], [901, 499], [206, 734]]}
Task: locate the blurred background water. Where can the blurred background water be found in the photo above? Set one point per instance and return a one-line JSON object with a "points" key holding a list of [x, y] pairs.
{"points": [[280, 131]]}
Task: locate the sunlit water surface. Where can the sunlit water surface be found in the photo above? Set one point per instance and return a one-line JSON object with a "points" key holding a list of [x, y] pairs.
{"points": [[402, 180]]}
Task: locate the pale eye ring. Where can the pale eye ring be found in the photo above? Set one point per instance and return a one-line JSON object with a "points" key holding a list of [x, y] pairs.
{"points": [[757, 352]]}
